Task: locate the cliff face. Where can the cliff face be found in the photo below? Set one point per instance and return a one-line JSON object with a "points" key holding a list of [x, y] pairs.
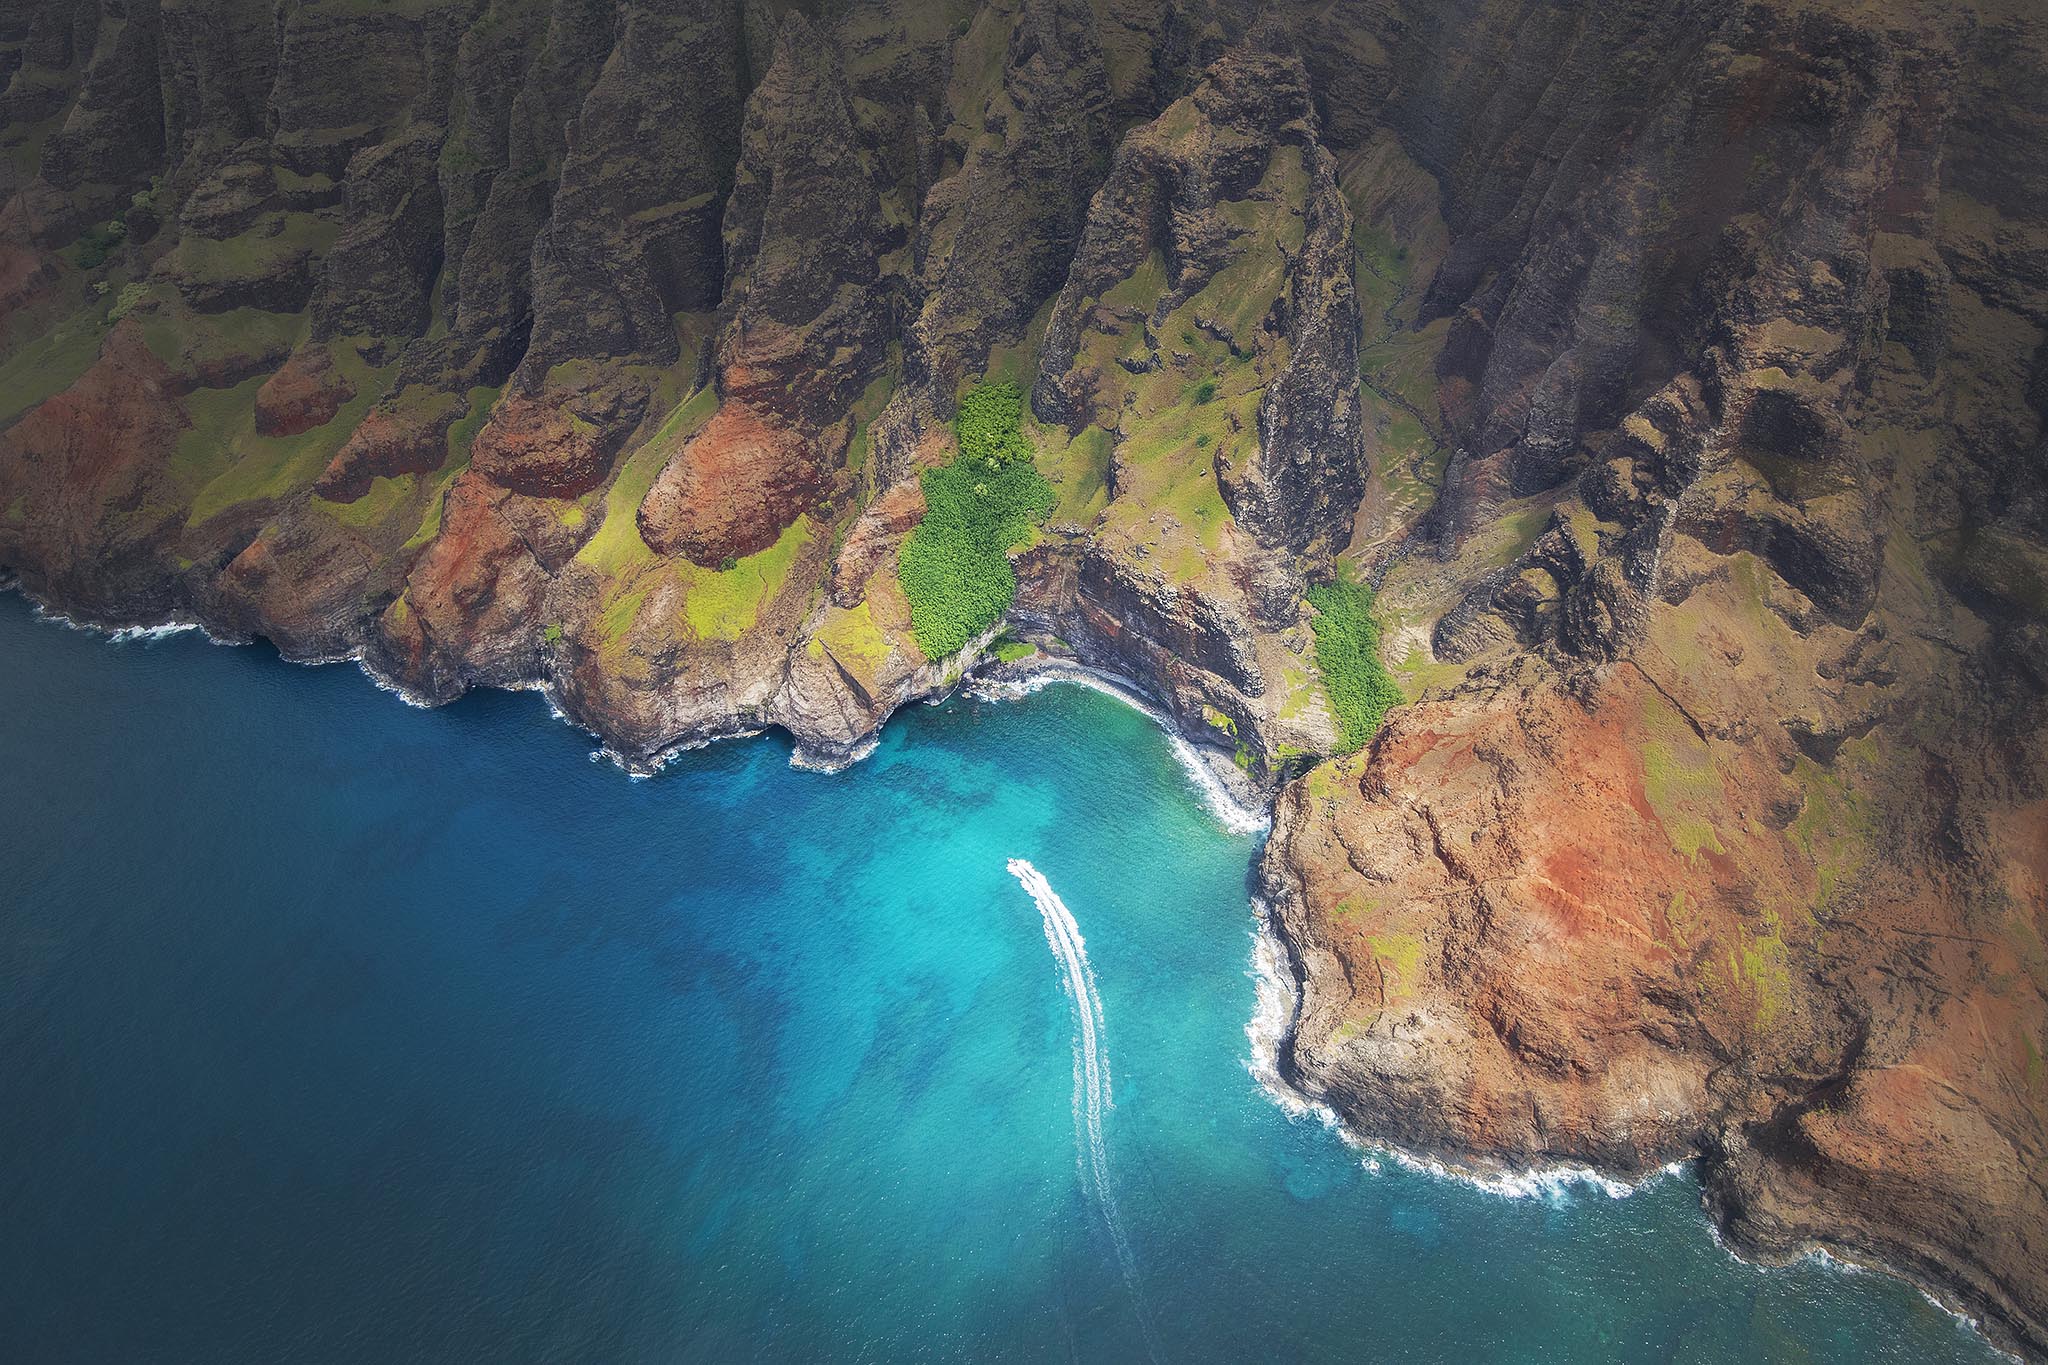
{"points": [[1676, 375]]}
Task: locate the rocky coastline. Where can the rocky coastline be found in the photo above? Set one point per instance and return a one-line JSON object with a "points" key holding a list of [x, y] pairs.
{"points": [[1676, 377], [1240, 803]]}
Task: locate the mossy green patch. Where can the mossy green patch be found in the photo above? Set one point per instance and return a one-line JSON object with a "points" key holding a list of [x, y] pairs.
{"points": [[854, 640], [264, 252], [416, 499], [1417, 672], [1761, 964], [385, 497], [223, 462], [1078, 469], [623, 610], [869, 406], [1139, 290], [1400, 959], [1380, 273], [723, 605], [1347, 650], [199, 343], [1334, 778], [1680, 779], [50, 364], [462, 435], [1836, 829], [617, 542]]}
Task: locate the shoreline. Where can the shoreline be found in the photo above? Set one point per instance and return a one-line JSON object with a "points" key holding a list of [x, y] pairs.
{"points": [[1240, 808], [1277, 985], [1228, 794]]}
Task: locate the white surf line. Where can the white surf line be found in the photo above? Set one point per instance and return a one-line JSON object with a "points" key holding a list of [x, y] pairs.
{"points": [[1235, 815], [1272, 1020], [1091, 1072]]}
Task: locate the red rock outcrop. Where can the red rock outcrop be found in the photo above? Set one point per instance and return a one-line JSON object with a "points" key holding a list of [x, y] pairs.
{"points": [[305, 393]]}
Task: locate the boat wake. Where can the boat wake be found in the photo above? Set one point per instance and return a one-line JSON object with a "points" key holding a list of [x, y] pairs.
{"points": [[1091, 1071]]}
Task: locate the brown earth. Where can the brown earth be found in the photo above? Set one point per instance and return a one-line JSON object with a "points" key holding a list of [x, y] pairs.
{"points": [[1676, 376]]}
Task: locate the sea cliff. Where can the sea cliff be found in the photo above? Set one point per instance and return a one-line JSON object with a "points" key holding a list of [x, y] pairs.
{"points": [[1673, 375]]}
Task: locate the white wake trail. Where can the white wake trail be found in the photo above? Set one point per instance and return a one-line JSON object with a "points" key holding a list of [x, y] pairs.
{"points": [[1091, 1070]]}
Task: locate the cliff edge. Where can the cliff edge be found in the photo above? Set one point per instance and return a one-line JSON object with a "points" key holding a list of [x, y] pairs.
{"points": [[1672, 381]]}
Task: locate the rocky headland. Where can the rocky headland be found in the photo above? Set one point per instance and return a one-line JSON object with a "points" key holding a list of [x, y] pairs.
{"points": [[1673, 377]]}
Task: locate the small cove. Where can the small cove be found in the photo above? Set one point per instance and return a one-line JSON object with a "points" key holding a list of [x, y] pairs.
{"points": [[337, 1029]]}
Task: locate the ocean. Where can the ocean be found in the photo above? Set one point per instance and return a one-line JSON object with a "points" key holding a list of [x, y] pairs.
{"points": [[335, 1029]]}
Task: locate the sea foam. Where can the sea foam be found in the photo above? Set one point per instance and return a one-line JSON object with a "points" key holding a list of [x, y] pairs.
{"points": [[1272, 1021], [1236, 815]]}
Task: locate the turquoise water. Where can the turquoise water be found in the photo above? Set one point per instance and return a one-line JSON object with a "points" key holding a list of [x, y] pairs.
{"points": [[332, 1029]]}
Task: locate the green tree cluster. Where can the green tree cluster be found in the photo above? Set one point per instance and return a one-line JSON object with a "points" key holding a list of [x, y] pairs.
{"points": [[1348, 655], [955, 566]]}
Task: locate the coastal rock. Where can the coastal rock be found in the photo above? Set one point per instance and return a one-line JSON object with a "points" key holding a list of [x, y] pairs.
{"points": [[1675, 378]]}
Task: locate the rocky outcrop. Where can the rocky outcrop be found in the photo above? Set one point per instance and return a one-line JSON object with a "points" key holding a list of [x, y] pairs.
{"points": [[306, 392], [801, 331], [84, 478], [1674, 375], [1027, 140], [1233, 192], [378, 275]]}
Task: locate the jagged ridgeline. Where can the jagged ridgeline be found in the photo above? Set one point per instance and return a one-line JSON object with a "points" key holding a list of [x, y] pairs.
{"points": [[1586, 461]]}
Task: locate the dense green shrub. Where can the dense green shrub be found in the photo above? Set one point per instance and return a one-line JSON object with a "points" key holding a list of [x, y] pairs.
{"points": [[954, 567], [1348, 654], [95, 244]]}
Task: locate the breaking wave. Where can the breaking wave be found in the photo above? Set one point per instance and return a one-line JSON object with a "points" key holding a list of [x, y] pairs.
{"points": [[1267, 1031], [1239, 816]]}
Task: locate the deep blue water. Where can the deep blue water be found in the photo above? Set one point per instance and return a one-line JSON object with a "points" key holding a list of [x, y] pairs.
{"points": [[332, 1029]]}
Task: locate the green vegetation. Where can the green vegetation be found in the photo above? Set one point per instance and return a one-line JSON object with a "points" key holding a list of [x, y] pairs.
{"points": [[1009, 651], [49, 364], [198, 343], [1078, 468], [102, 240], [621, 612], [1400, 959], [1761, 964], [1838, 827], [955, 568], [869, 406], [725, 605], [1348, 654], [222, 462], [1680, 780], [95, 244], [617, 542], [854, 641], [276, 246]]}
